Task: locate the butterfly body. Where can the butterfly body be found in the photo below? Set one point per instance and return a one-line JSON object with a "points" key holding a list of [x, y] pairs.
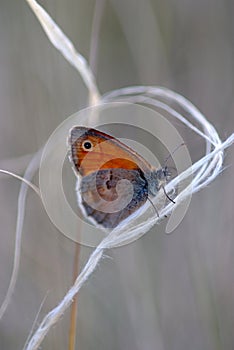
{"points": [[114, 180]]}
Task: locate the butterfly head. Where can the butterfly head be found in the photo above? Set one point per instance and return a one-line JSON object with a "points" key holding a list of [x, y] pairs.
{"points": [[158, 179]]}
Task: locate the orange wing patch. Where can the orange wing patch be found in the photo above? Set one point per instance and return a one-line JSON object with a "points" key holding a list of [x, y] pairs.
{"points": [[105, 152]]}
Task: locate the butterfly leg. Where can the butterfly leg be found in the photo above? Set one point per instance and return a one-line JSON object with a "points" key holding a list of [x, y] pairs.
{"points": [[168, 197]]}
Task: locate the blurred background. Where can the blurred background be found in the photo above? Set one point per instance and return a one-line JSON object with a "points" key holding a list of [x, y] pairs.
{"points": [[161, 292]]}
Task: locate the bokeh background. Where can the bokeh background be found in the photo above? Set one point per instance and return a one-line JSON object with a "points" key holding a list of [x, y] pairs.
{"points": [[161, 292]]}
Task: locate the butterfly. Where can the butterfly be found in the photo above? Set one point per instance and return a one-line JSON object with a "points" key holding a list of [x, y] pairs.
{"points": [[114, 181]]}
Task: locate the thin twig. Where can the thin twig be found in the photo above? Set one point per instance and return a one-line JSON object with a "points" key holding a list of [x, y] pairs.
{"points": [[73, 316], [65, 46]]}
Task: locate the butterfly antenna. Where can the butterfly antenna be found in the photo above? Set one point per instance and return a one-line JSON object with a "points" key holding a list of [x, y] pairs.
{"points": [[168, 197], [171, 154], [165, 168]]}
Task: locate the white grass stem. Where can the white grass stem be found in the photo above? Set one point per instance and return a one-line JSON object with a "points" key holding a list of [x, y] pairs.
{"points": [[54, 315], [30, 184], [65, 46], [35, 320], [150, 95], [26, 182]]}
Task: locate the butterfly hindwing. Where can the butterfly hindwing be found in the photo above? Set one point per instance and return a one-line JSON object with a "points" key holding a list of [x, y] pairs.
{"points": [[99, 191]]}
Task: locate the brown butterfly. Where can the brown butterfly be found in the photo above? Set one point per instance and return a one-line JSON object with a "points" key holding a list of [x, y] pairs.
{"points": [[114, 181]]}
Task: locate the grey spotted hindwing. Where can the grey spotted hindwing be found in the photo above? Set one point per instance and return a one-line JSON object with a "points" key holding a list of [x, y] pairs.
{"points": [[109, 196]]}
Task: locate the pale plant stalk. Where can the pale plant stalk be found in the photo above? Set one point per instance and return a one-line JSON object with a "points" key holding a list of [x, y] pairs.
{"points": [[26, 182], [36, 319], [64, 45]]}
